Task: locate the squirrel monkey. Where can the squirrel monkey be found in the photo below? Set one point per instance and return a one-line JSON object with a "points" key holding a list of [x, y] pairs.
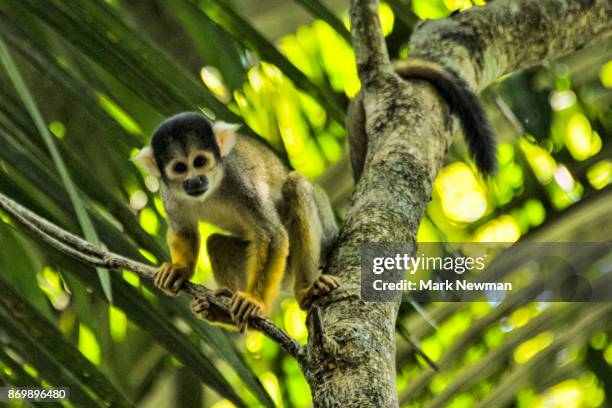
{"points": [[277, 219], [461, 101]]}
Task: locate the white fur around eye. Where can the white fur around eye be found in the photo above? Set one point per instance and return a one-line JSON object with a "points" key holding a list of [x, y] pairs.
{"points": [[173, 173], [209, 160], [225, 135]]}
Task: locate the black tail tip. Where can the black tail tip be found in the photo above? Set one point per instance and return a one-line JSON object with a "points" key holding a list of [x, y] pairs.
{"points": [[487, 165]]}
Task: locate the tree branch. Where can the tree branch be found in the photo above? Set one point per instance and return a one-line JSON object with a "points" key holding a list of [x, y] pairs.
{"points": [[369, 43], [484, 43], [409, 129], [88, 254]]}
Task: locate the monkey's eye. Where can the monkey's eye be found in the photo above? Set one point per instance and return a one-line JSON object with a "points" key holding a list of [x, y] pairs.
{"points": [[199, 161], [180, 167]]}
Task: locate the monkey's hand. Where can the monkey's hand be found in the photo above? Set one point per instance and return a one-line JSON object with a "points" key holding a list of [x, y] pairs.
{"points": [[170, 277], [242, 306], [322, 286]]}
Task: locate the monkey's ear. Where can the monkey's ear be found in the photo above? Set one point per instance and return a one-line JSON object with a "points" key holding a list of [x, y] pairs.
{"points": [[146, 159], [225, 134]]}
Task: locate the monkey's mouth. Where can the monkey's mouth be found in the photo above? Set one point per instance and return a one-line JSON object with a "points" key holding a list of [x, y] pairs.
{"points": [[196, 192]]}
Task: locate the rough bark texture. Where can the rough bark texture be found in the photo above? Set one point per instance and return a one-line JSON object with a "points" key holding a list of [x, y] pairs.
{"points": [[485, 43], [349, 360]]}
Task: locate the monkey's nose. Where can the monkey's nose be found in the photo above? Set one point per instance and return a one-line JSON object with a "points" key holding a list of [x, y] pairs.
{"points": [[196, 185]]}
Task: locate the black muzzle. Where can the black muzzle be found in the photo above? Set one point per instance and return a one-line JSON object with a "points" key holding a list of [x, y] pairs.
{"points": [[196, 186]]}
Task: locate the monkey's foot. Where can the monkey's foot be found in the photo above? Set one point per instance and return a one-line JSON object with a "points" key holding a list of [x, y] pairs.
{"points": [[322, 286], [203, 309], [242, 307], [170, 277]]}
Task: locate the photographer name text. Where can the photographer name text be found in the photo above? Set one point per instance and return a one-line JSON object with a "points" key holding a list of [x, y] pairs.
{"points": [[443, 286]]}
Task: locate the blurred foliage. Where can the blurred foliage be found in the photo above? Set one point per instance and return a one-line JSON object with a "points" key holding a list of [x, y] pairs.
{"points": [[104, 73]]}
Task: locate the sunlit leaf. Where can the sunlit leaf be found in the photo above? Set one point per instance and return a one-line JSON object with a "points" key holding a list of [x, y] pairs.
{"points": [[79, 208], [429, 8], [318, 9], [244, 33], [59, 362]]}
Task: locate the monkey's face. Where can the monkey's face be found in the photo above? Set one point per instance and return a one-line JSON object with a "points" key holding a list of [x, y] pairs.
{"points": [[195, 174], [187, 151]]}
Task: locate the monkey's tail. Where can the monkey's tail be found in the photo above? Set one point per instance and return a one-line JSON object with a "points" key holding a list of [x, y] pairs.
{"points": [[464, 103]]}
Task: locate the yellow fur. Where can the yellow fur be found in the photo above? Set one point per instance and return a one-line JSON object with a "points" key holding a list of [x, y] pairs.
{"points": [[184, 248], [266, 264]]}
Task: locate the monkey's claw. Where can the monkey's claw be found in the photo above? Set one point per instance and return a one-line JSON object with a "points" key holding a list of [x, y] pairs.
{"points": [[170, 278], [243, 307], [200, 307], [322, 286], [204, 309]]}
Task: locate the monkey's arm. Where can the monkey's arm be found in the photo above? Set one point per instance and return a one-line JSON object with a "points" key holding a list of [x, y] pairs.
{"points": [[184, 246]]}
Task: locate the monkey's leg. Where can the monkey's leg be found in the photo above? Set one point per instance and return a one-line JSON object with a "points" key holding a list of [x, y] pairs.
{"points": [[307, 232], [266, 262], [228, 258], [328, 223]]}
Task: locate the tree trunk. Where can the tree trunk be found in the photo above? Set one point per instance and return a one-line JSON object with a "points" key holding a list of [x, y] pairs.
{"points": [[350, 357]]}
